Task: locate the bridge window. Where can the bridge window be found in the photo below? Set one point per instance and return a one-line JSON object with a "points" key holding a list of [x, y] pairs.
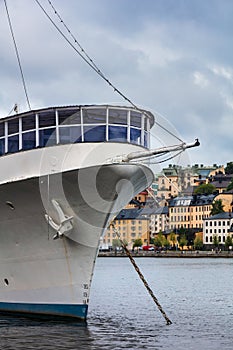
{"points": [[68, 118], [2, 129], [94, 116], [135, 119], [94, 133], [117, 117], [135, 136], [70, 134], [47, 119], [47, 137], [117, 133], [13, 126], [13, 144], [2, 146], [71, 125], [28, 123], [29, 140]]}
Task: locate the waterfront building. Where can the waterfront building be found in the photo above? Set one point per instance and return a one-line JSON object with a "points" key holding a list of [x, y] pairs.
{"points": [[175, 180], [227, 200], [189, 211], [219, 225], [221, 181], [159, 220], [131, 224]]}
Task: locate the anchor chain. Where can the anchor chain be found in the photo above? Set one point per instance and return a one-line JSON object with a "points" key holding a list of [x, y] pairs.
{"points": [[141, 275]]}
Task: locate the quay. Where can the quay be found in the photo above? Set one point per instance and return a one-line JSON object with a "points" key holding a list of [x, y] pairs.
{"points": [[169, 254]]}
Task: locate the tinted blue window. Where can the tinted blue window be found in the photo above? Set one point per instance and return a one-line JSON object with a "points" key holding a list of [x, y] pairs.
{"points": [[13, 144], [135, 136], [28, 122], [117, 133], [2, 129], [95, 133], [2, 146], [69, 117], [47, 118], [47, 137], [29, 140], [70, 134], [13, 126]]}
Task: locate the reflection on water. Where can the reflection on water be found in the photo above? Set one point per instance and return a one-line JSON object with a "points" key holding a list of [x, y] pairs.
{"points": [[196, 294]]}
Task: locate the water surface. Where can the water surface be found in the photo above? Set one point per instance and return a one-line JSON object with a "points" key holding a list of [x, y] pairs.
{"points": [[196, 294]]}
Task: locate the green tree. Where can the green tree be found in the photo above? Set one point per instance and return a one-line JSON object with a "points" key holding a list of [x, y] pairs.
{"points": [[229, 168], [215, 241], [183, 241], [228, 242], [173, 239], [159, 240], [137, 243], [198, 242], [166, 243], [217, 207], [230, 186], [205, 189], [116, 244]]}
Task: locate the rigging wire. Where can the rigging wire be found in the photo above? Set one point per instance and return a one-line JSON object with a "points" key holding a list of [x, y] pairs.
{"points": [[17, 54], [83, 54]]}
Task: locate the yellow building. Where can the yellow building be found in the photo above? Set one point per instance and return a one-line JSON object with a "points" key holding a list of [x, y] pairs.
{"points": [[131, 224], [227, 200], [190, 211]]}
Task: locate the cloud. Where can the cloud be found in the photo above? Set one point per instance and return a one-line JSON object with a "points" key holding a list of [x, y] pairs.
{"points": [[200, 79], [171, 57]]}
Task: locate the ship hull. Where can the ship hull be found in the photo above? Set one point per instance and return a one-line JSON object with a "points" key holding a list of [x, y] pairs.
{"points": [[46, 266]]}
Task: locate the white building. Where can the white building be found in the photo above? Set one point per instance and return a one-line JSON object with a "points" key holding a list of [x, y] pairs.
{"points": [[219, 225]]}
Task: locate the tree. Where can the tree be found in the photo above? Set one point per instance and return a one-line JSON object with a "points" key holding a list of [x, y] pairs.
{"points": [[215, 241], [228, 242], [198, 242], [137, 243], [159, 240], [166, 243], [116, 244], [230, 186], [217, 207], [173, 239], [229, 168], [183, 241], [205, 189]]}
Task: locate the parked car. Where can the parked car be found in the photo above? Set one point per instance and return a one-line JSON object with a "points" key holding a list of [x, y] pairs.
{"points": [[148, 248]]}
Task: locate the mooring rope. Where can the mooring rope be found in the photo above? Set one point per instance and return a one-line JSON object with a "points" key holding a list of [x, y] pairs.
{"points": [[141, 275]]}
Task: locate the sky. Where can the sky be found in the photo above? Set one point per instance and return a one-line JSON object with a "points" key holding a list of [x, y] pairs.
{"points": [[171, 57]]}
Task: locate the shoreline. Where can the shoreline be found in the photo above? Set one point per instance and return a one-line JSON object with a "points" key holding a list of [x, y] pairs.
{"points": [[184, 255]]}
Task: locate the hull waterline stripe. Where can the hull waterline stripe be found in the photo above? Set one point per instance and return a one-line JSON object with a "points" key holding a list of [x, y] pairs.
{"points": [[62, 310]]}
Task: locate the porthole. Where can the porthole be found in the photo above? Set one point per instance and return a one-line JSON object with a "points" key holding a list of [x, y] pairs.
{"points": [[10, 204], [6, 281]]}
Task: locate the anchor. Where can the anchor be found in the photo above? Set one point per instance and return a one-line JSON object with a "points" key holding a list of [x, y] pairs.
{"points": [[65, 225]]}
